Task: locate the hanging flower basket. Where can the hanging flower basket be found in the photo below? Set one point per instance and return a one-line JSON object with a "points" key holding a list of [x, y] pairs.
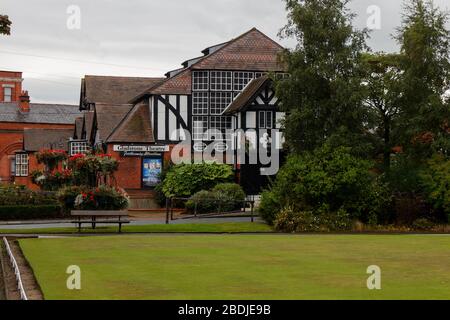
{"points": [[51, 158]]}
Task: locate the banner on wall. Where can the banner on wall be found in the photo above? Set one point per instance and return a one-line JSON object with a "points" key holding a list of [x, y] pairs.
{"points": [[151, 171]]}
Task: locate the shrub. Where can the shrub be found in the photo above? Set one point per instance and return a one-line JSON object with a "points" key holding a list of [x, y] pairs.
{"points": [[202, 202], [230, 195], [187, 179], [100, 198], [224, 197], [326, 178], [17, 195], [436, 184], [291, 221], [269, 206], [66, 196], [423, 224], [29, 212], [404, 175]]}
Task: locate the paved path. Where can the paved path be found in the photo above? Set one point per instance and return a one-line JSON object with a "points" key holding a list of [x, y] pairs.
{"points": [[62, 224]]}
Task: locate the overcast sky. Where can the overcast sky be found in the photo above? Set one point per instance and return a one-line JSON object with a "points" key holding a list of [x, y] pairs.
{"points": [[141, 37]]}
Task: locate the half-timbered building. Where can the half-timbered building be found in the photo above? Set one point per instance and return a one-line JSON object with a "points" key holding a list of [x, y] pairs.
{"points": [[204, 101]]}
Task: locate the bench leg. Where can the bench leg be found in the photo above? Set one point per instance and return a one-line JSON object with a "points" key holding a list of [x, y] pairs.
{"points": [[93, 222], [120, 228]]}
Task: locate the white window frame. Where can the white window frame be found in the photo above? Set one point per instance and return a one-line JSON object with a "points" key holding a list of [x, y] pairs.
{"points": [[199, 128], [200, 103], [265, 119], [221, 80], [219, 101], [222, 124], [21, 165], [200, 81], [79, 147], [10, 95], [241, 79]]}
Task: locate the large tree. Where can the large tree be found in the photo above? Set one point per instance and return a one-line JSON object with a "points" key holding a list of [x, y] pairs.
{"points": [[425, 48], [5, 25], [323, 96], [383, 83]]}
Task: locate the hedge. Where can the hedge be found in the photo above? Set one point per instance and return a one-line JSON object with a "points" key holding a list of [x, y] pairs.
{"points": [[29, 212]]}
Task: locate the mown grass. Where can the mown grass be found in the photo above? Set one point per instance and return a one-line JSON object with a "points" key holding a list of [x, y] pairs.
{"points": [[229, 227], [243, 266]]}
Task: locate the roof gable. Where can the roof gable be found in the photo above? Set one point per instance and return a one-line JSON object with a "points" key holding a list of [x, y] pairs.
{"points": [[135, 127], [251, 51], [78, 130], [248, 95], [107, 117], [88, 123], [114, 90]]}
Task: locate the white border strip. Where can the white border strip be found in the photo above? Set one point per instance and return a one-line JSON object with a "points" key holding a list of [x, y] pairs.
{"points": [[23, 295]]}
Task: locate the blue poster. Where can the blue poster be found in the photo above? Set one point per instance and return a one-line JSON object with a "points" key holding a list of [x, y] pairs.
{"points": [[151, 171]]}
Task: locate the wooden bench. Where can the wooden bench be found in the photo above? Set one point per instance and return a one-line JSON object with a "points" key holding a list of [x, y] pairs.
{"points": [[100, 217]]}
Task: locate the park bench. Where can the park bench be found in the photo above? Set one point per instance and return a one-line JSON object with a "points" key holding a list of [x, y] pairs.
{"points": [[100, 217]]}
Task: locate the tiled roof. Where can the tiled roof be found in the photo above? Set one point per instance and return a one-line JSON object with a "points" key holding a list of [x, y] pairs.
{"points": [[179, 84], [38, 139], [39, 113], [108, 116], [114, 90], [135, 127], [78, 131], [88, 124], [247, 95], [251, 51]]}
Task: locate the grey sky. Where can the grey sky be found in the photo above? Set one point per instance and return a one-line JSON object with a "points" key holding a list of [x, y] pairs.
{"points": [[141, 37]]}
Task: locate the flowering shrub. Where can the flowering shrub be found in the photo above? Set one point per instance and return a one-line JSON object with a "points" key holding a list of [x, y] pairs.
{"points": [[52, 181], [51, 158], [100, 198], [90, 167], [291, 221]]}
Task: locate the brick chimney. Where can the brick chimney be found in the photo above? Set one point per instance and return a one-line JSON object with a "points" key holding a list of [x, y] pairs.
{"points": [[24, 102]]}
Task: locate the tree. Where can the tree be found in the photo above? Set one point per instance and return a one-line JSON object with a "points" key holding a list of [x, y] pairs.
{"points": [[425, 48], [323, 95], [5, 25], [383, 94]]}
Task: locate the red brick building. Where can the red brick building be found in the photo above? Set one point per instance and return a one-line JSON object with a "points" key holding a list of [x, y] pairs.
{"points": [[10, 86], [17, 116]]}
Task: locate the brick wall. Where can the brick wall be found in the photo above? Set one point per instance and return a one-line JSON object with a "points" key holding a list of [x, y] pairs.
{"points": [[129, 175], [11, 140], [13, 80]]}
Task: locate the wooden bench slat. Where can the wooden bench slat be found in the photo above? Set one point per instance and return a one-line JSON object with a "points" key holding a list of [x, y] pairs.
{"points": [[99, 213], [100, 221]]}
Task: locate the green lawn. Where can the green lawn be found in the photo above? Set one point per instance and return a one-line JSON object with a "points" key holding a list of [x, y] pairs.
{"points": [[243, 266], [228, 227]]}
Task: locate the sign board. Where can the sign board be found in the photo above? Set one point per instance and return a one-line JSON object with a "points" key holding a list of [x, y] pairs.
{"points": [[151, 171], [144, 149]]}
